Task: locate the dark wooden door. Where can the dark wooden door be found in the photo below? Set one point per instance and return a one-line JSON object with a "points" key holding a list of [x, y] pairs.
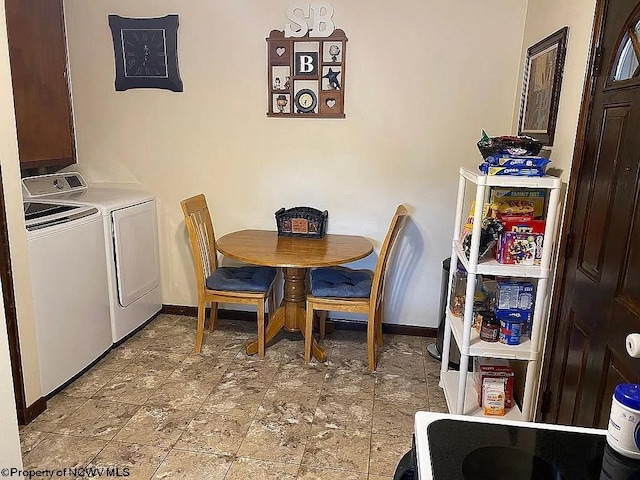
{"points": [[38, 57], [600, 300]]}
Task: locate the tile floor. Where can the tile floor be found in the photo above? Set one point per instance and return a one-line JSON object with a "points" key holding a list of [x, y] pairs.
{"points": [[155, 407]]}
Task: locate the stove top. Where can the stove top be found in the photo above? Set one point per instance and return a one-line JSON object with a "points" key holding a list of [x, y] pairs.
{"points": [[463, 448], [494, 451]]}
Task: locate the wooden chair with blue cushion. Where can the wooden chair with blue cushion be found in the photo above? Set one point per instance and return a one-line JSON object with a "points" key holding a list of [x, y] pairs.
{"points": [[341, 289], [248, 284]]}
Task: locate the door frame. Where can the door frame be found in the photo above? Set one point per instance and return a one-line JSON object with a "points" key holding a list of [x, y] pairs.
{"points": [[8, 297], [594, 68]]}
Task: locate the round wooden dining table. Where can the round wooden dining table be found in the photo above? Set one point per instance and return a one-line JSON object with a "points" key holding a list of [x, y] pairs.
{"points": [[294, 255]]}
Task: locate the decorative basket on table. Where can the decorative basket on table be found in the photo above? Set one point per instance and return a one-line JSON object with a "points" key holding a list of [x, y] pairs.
{"points": [[520, 145], [301, 222]]}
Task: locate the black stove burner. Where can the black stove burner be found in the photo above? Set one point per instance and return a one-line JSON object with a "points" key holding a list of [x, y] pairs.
{"points": [[478, 451], [506, 463]]}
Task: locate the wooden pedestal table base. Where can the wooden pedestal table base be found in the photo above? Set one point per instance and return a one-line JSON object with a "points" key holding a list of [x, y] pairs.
{"points": [[291, 314]]}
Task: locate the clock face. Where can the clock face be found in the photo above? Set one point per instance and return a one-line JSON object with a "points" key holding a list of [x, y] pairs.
{"points": [[306, 100], [144, 52]]}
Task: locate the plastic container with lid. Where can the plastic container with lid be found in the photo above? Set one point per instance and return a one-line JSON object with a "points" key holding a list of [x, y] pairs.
{"points": [[623, 432], [510, 329]]}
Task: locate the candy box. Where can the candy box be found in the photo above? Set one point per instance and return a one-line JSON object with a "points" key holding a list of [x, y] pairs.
{"points": [[484, 367], [514, 295], [520, 248]]}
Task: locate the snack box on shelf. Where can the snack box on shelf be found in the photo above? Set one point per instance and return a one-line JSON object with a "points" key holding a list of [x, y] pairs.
{"points": [[514, 294], [522, 225], [492, 170], [534, 195], [521, 242], [516, 248], [522, 218], [517, 161], [484, 367]]}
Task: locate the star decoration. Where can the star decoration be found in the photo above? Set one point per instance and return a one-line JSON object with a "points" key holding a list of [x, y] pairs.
{"points": [[332, 76]]}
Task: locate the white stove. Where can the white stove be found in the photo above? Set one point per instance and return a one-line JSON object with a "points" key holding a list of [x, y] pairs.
{"points": [[465, 447]]}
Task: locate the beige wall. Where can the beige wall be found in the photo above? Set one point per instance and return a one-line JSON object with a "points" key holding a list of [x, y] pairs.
{"points": [[544, 17], [9, 441], [422, 80]]}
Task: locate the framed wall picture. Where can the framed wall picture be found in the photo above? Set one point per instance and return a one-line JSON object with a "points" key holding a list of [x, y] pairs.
{"points": [[542, 80], [146, 52]]}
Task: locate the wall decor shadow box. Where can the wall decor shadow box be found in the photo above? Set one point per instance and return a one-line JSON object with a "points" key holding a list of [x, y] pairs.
{"points": [[306, 75]]}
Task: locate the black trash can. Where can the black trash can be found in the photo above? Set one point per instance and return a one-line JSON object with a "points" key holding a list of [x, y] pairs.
{"points": [[407, 468], [435, 349]]}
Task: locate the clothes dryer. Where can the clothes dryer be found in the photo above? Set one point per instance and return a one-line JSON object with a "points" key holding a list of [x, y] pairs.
{"points": [[131, 244]]}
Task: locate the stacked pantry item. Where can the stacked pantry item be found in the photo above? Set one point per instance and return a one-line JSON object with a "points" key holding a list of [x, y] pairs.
{"points": [[493, 378], [511, 155], [458, 386], [512, 226], [520, 212], [502, 310]]}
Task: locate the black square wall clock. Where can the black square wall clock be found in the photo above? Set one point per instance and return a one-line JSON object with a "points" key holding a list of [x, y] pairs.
{"points": [[146, 52]]}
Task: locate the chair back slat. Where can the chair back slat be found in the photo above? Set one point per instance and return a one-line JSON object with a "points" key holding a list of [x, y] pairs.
{"points": [[377, 287], [201, 236]]}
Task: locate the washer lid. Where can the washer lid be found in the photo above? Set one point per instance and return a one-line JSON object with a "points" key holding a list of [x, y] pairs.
{"points": [[39, 215], [33, 210]]}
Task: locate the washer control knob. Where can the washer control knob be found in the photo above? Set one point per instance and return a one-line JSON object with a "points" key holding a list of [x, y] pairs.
{"points": [[58, 184]]}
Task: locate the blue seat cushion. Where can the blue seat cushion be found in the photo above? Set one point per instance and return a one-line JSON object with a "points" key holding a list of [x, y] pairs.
{"points": [[341, 282], [241, 279]]}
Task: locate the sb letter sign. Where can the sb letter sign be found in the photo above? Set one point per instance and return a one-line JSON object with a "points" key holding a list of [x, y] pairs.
{"points": [[306, 64], [300, 13]]}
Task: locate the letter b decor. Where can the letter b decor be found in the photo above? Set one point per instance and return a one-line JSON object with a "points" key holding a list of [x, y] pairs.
{"points": [[306, 74]]}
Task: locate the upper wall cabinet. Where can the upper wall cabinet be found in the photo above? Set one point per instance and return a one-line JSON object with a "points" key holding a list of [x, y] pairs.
{"points": [[38, 57]]}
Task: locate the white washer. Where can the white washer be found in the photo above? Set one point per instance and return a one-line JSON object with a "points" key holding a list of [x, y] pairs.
{"points": [[68, 268], [131, 244]]}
